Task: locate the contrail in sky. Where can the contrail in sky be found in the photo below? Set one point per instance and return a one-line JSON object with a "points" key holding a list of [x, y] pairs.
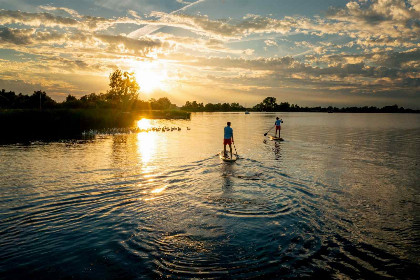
{"points": [[152, 28]]}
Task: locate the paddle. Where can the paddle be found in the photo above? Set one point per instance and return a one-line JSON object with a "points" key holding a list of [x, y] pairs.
{"points": [[235, 150], [265, 134]]}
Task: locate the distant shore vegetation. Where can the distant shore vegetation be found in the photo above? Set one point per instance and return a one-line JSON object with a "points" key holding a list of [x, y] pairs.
{"points": [[40, 100], [269, 104]]}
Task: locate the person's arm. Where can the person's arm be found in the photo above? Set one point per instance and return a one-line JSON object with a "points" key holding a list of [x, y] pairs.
{"points": [[232, 137]]}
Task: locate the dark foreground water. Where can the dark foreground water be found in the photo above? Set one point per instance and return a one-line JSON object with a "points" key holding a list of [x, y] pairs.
{"points": [[339, 198]]}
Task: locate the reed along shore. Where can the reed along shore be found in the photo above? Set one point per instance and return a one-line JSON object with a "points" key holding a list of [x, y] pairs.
{"points": [[19, 125]]}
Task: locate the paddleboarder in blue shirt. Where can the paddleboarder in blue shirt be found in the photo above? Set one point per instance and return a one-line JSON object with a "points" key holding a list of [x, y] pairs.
{"points": [[228, 139], [278, 125]]}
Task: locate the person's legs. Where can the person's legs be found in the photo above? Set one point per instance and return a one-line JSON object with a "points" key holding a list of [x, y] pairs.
{"points": [[230, 146], [224, 150]]}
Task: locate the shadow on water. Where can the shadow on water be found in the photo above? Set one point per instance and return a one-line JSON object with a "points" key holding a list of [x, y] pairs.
{"points": [[277, 150], [227, 174]]}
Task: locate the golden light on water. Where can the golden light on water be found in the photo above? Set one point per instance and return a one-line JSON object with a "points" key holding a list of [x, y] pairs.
{"points": [[146, 143], [144, 124], [159, 190]]}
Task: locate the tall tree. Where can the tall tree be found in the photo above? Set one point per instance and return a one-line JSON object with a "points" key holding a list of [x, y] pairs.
{"points": [[124, 88], [268, 104], [164, 102]]}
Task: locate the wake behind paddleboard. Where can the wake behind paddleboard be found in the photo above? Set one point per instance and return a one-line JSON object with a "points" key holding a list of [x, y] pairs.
{"points": [[273, 138], [228, 159]]}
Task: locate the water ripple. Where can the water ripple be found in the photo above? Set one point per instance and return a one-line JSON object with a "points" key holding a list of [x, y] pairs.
{"points": [[336, 202]]}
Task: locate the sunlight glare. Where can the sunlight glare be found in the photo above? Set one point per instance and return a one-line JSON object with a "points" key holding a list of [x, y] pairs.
{"points": [[144, 124], [159, 190], [150, 76], [146, 146]]}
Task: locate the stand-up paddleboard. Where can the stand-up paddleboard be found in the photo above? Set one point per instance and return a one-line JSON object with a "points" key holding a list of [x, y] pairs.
{"points": [[274, 138], [228, 159]]}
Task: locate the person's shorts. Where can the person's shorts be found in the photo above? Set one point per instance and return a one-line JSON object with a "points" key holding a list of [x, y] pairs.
{"points": [[278, 127], [227, 141]]}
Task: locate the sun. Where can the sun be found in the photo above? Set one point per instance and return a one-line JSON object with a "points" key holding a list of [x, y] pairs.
{"points": [[150, 76]]}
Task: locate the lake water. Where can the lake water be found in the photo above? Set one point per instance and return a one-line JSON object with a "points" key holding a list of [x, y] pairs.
{"points": [[339, 198]]}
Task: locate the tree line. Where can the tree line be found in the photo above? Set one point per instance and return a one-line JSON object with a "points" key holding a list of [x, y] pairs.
{"points": [[210, 107], [40, 100], [269, 104], [123, 94], [124, 91], [112, 100]]}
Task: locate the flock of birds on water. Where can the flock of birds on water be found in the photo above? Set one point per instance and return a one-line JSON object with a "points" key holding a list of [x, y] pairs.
{"points": [[159, 129], [132, 130]]}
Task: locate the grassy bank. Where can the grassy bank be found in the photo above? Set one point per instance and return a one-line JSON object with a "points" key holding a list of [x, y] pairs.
{"points": [[25, 125]]}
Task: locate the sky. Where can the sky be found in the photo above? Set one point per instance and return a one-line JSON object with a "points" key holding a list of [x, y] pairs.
{"points": [[311, 53]]}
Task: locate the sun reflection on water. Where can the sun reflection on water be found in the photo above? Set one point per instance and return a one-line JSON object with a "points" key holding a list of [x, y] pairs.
{"points": [[159, 190], [146, 146], [144, 124]]}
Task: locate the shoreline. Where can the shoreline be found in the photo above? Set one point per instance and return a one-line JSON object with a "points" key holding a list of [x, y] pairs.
{"points": [[25, 125]]}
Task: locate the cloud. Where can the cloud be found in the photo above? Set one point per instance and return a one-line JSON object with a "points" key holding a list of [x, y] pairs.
{"points": [[400, 60], [249, 51], [64, 10], [192, 44], [134, 14], [183, 2], [270, 43], [122, 44], [16, 36], [287, 72], [392, 18], [380, 23], [20, 86], [51, 20], [378, 11], [223, 28], [35, 19], [118, 44], [28, 36]]}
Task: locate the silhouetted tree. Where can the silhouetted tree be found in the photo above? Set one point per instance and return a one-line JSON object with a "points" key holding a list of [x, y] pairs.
{"points": [[163, 103], [70, 98], [72, 102], [210, 107], [7, 99], [284, 107], [268, 104], [124, 88]]}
